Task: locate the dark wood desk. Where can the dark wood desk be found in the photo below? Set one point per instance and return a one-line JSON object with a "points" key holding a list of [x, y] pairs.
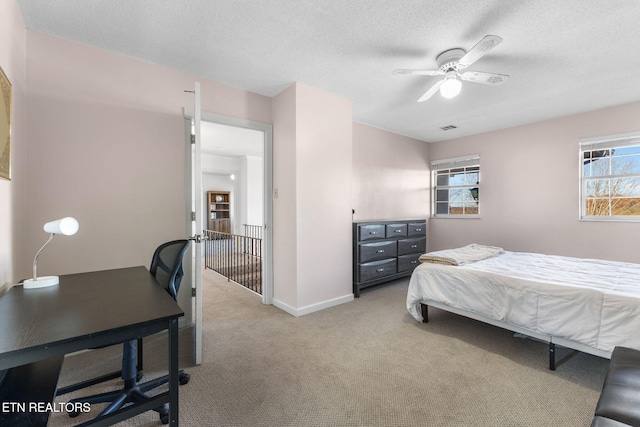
{"points": [[89, 310]]}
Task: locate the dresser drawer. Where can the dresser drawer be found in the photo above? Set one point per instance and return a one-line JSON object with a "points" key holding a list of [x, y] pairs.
{"points": [[377, 269], [396, 230], [417, 229], [412, 246], [408, 262], [370, 232], [377, 250]]}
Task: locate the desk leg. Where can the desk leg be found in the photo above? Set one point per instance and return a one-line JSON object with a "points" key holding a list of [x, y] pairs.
{"points": [[173, 372]]}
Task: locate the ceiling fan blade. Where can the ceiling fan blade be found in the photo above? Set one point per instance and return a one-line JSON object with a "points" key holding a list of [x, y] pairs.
{"points": [[484, 78], [432, 90], [417, 72], [479, 50]]}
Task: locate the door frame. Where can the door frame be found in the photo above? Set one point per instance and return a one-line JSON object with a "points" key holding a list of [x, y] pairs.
{"points": [[267, 190]]}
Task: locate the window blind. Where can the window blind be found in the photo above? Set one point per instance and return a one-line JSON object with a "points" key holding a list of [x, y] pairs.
{"points": [[611, 141], [456, 162]]}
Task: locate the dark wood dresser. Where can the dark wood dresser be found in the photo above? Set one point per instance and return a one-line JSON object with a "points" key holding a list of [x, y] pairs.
{"points": [[386, 250]]}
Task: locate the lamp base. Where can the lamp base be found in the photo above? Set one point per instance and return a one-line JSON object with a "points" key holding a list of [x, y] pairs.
{"points": [[41, 282]]}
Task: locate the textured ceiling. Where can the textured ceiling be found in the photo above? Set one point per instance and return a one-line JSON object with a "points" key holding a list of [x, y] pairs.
{"points": [[563, 57], [238, 141]]}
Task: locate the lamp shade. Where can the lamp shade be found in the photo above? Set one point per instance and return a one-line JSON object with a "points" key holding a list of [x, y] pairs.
{"points": [[451, 87], [67, 226]]}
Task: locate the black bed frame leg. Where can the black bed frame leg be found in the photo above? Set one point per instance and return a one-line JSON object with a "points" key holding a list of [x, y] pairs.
{"points": [[552, 356], [424, 308]]}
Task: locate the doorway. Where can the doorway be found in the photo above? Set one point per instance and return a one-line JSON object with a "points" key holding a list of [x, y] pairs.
{"points": [[236, 158]]}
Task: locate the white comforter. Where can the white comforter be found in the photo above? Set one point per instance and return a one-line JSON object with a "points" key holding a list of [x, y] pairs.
{"points": [[593, 302]]}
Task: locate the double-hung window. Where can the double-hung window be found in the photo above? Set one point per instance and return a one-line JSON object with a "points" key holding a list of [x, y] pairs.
{"points": [[456, 187], [610, 177]]}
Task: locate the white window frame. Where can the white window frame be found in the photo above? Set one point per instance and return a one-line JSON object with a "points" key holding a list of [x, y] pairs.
{"points": [[471, 161], [609, 142]]}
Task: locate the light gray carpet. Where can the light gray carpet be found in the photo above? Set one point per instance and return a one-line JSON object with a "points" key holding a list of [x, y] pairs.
{"points": [[364, 363]]}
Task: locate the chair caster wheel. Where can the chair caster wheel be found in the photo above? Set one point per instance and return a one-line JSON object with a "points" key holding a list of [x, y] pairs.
{"points": [[139, 376], [163, 412], [73, 414], [183, 379]]}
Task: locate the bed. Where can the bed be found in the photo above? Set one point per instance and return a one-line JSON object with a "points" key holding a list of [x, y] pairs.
{"points": [[583, 304]]}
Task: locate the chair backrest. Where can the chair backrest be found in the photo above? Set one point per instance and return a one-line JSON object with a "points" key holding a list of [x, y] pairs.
{"points": [[166, 265]]}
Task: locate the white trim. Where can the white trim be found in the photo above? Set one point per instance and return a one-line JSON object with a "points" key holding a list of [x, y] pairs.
{"points": [[313, 307], [470, 161], [609, 142], [267, 252]]}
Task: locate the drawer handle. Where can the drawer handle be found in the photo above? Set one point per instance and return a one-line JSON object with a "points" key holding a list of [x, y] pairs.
{"points": [[397, 231], [380, 251], [373, 232], [418, 229], [414, 246], [414, 262], [380, 270]]}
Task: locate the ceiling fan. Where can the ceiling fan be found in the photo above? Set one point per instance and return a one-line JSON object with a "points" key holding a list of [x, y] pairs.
{"points": [[451, 62]]}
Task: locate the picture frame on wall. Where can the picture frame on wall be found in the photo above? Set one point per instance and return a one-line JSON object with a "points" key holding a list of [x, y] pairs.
{"points": [[5, 126]]}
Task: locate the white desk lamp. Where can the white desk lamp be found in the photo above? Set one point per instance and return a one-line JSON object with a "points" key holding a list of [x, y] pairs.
{"points": [[67, 226]]}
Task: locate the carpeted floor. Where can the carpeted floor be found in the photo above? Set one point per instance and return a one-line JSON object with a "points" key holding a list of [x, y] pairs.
{"points": [[364, 363]]}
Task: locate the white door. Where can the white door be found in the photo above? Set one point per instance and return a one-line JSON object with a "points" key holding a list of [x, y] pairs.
{"points": [[194, 215]]}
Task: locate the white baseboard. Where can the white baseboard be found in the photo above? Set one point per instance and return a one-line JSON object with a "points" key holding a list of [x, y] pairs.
{"points": [[313, 307]]}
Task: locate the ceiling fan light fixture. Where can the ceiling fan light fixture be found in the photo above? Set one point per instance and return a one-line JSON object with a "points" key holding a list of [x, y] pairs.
{"points": [[451, 87]]}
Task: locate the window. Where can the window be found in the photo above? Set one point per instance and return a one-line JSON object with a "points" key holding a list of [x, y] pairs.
{"points": [[456, 187], [610, 177]]}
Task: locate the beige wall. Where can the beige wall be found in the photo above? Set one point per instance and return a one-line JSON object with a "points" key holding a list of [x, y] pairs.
{"points": [[106, 145], [390, 175], [12, 193], [529, 189], [323, 174], [312, 219]]}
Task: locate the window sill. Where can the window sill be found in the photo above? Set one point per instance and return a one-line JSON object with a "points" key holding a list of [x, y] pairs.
{"points": [[609, 219], [455, 217]]}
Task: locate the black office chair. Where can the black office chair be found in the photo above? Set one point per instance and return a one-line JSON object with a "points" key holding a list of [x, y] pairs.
{"points": [[166, 267], [169, 276]]}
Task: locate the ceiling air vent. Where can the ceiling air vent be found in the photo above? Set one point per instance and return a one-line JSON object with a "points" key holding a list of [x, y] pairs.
{"points": [[449, 127]]}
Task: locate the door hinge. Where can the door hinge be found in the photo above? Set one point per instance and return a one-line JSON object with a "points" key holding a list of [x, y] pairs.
{"points": [[193, 139], [193, 292], [193, 216]]}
